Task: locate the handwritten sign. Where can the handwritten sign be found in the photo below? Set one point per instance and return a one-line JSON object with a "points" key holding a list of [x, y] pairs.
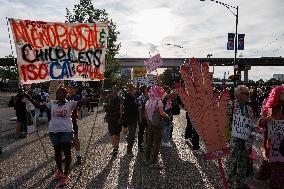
{"points": [[276, 136], [139, 72], [51, 51], [153, 63], [150, 80], [242, 127]]}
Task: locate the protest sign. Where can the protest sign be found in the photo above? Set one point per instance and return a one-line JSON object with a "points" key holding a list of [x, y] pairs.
{"points": [[153, 63], [149, 81], [242, 127], [276, 136], [67, 51], [139, 72]]}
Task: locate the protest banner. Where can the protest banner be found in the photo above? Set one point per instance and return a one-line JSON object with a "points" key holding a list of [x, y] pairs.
{"points": [[242, 127], [276, 136], [153, 63], [59, 51]]}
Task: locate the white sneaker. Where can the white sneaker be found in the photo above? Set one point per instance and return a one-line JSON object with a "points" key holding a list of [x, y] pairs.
{"points": [[197, 152], [166, 144]]}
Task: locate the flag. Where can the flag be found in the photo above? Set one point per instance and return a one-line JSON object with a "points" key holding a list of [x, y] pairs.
{"points": [[241, 41], [230, 44]]}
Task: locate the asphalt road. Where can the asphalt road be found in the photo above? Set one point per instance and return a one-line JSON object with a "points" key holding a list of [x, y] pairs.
{"points": [[24, 164]]}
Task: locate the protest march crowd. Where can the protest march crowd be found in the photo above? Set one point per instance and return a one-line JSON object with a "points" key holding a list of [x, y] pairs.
{"points": [[149, 111], [226, 120]]}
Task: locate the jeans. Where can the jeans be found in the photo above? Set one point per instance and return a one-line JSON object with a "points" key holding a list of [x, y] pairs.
{"points": [[190, 132], [131, 135], [154, 139], [142, 127], [167, 132]]}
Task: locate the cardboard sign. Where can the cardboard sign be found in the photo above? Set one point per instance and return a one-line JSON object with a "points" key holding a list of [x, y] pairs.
{"points": [[153, 63], [276, 136], [208, 115], [139, 72], [53, 51], [242, 127], [150, 80]]}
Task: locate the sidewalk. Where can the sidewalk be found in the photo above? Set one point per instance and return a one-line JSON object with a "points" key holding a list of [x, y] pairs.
{"points": [[24, 165]]}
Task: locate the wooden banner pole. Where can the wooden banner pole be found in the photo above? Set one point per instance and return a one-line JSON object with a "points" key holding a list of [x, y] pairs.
{"points": [[221, 168]]}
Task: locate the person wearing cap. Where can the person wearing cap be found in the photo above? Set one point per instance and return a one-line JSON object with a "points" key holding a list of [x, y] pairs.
{"points": [[72, 87], [130, 116]]}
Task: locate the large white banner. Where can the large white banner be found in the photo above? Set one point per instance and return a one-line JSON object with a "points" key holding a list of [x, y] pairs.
{"points": [[59, 51]]}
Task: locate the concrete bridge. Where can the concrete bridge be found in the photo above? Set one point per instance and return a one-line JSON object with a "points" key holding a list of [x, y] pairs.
{"points": [[243, 64]]}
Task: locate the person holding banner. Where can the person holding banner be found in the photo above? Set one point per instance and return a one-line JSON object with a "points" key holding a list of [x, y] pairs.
{"points": [[60, 130], [238, 160], [272, 124], [72, 87], [21, 114]]}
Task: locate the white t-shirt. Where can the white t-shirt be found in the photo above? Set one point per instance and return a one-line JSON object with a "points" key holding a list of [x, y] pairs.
{"points": [[61, 116]]}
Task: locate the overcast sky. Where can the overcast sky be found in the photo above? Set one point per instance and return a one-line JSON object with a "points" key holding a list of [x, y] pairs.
{"points": [[201, 28]]}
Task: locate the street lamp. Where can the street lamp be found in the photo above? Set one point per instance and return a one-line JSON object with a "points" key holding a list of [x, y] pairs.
{"points": [[237, 20]]}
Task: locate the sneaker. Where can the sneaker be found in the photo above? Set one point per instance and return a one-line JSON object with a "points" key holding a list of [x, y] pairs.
{"points": [[187, 139], [114, 152], [63, 180], [79, 160], [197, 152], [166, 144], [57, 175]]}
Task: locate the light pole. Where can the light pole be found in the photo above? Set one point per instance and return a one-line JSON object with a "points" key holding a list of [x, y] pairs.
{"points": [[237, 21]]}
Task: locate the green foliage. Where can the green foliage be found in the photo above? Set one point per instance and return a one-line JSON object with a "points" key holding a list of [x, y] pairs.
{"points": [[170, 77], [273, 82], [85, 12], [9, 72]]}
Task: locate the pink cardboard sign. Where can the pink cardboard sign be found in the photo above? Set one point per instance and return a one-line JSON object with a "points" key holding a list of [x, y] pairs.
{"points": [[153, 63]]}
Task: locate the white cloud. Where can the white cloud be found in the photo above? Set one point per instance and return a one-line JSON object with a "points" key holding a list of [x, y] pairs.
{"points": [[147, 26]]}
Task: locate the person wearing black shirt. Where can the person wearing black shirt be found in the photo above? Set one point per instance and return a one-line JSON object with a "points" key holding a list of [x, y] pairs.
{"points": [[130, 116]]}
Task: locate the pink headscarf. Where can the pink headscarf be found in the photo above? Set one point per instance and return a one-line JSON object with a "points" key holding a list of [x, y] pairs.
{"points": [[272, 101], [155, 94]]}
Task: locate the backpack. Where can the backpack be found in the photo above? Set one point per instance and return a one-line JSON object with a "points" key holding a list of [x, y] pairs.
{"points": [[12, 102], [157, 120]]}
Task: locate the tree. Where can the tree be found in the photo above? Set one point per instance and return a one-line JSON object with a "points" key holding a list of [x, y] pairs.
{"points": [[170, 77], [85, 12], [9, 72]]}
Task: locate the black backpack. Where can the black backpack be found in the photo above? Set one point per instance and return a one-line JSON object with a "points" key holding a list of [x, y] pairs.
{"points": [[12, 102]]}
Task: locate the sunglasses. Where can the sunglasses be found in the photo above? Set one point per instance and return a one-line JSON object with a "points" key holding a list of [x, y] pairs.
{"points": [[246, 94]]}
